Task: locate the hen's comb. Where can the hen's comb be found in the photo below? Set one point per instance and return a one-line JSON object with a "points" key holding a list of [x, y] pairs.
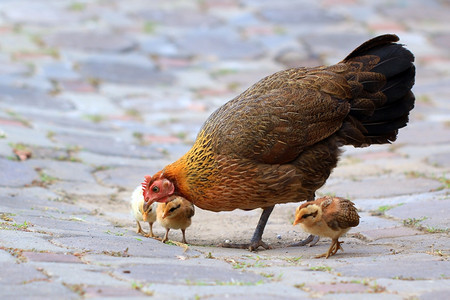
{"points": [[146, 182]]}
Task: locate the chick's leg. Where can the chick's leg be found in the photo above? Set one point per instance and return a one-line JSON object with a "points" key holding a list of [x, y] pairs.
{"points": [[183, 231], [150, 234], [337, 246], [166, 237], [139, 229], [256, 241], [334, 247]]}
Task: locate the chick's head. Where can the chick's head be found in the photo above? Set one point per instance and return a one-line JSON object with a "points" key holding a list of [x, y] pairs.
{"points": [[308, 214], [172, 208]]}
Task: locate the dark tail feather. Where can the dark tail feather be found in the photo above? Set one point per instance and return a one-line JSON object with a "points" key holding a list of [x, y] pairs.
{"points": [[382, 75]]}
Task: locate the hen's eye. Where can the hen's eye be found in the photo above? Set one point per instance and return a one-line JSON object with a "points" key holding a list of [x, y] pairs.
{"points": [[155, 189]]}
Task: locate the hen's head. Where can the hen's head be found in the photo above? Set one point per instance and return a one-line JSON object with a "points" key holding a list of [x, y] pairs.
{"points": [[157, 189]]}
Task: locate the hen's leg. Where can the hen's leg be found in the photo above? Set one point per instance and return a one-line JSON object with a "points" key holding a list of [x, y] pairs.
{"points": [[311, 240], [256, 241]]}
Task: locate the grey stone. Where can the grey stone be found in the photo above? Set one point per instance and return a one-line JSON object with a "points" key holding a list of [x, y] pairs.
{"points": [[42, 289], [108, 146], [126, 177], [440, 159], [136, 72], [15, 174], [55, 121], [218, 43], [59, 71], [79, 274], [334, 44], [120, 245], [79, 188], [33, 98], [39, 13], [6, 257], [300, 15], [32, 241], [36, 199], [180, 18], [418, 266], [91, 41], [425, 213], [66, 223], [391, 186], [441, 294], [159, 46], [13, 273], [442, 40], [14, 68], [64, 170], [179, 274], [409, 135]]}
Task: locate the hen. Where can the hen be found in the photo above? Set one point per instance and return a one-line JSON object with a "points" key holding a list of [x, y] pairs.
{"points": [[279, 140], [175, 214], [137, 203], [328, 216]]}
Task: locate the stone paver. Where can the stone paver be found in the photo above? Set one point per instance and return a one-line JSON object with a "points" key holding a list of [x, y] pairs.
{"points": [[101, 93]]}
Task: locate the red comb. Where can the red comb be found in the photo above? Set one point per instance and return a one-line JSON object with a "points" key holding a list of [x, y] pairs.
{"points": [[146, 182]]}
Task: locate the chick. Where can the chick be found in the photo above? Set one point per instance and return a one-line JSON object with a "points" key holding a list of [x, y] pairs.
{"points": [[328, 216], [175, 214], [137, 202]]}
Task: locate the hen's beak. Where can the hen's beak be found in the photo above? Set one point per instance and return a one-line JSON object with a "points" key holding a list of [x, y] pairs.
{"points": [[146, 208]]}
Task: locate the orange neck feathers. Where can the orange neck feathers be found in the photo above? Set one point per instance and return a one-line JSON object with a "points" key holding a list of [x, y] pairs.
{"points": [[177, 173]]}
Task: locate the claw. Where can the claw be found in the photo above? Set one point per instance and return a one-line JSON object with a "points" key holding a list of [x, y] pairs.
{"points": [[311, 240], [253, 246]]}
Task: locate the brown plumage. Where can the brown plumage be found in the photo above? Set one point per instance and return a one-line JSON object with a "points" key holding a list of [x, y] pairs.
{"points": [[175, 214], [279, 140], [328, 216]]}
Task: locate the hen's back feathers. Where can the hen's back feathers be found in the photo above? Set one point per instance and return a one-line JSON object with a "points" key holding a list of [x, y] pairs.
{"points": [[381, 76]]}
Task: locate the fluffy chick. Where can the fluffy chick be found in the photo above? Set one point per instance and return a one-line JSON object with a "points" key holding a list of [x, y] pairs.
{"points": [[328, 216], [137, 202], [175, 214]]}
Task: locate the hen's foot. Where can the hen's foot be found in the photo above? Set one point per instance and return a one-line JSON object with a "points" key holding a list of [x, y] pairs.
{"points": [[252, 246], [311, 240], [256, 241]]}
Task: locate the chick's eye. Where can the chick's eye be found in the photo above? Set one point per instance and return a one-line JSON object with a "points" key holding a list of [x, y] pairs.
{"points": [[155, 189]]}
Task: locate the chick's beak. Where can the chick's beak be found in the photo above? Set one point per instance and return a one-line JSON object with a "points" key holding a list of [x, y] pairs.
{"points": [[297, 220]]}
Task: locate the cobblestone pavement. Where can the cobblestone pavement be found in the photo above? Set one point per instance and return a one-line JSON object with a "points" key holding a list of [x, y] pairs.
{"points": [[101, 93]]}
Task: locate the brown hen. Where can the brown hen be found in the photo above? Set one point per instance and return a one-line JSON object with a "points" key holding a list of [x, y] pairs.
{"points": [[278, 141]]}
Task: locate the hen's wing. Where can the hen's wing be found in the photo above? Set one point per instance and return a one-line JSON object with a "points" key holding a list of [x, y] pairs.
{"points": [[274, 120]]}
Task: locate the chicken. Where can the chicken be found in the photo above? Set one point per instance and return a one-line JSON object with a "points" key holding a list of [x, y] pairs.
{"points": [[279, 140], [175, 214], [328, 216], [137, 202]]}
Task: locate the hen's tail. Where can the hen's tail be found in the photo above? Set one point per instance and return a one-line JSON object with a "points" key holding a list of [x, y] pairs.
{"points": [[381, 77]]}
